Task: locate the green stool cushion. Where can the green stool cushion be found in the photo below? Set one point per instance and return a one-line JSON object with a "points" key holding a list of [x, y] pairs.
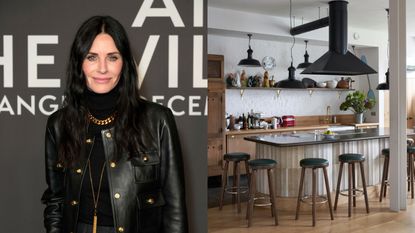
{"points": [[351, 158], [314, 162], [411, 149], [236, 156], [385, 152], [262, 163]]}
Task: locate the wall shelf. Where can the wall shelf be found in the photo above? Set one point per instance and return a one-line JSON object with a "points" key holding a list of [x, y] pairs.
{"points": [[278, 90]]}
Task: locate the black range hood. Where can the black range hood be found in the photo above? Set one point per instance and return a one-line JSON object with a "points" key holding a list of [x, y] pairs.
{"points": [[338, 61]]}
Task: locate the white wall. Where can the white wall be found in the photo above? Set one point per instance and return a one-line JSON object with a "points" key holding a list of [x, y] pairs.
{"points": [[266, 101], [226, 36], [410, 51]]}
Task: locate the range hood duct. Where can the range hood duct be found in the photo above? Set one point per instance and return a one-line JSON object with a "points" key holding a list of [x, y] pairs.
{"points": [[338, 61]]}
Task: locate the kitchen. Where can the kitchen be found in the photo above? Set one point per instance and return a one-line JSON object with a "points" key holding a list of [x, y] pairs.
{"points": [[227, 29]]}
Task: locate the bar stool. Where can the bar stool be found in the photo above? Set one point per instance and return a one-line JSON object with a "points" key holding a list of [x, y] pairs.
{"points": [[314, 163], [352, 159], [235, 189], [262, 164], [384, 183], [410, 169], [411, 154]]}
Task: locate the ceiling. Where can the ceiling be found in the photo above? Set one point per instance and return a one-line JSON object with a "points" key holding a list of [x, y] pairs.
{"points": [[368, 14]]}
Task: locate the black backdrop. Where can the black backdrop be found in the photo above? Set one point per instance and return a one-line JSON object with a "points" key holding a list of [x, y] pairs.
{"points": [[35, 37]]}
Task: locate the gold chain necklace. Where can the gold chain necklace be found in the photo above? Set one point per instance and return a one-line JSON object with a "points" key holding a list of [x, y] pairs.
{"points": [[105, 121]]}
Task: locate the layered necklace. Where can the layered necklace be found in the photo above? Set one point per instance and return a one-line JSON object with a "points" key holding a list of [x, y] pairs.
{"points": [[100, 122]]}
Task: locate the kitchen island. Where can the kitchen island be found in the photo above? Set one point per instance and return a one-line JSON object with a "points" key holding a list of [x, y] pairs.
{"points": [[289, 149]]}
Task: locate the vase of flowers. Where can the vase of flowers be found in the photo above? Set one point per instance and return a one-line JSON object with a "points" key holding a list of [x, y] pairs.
{"points": [[358, 103]]}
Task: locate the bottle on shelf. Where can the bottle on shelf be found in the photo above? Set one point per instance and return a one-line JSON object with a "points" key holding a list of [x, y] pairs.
{"points": [[244, 122]]}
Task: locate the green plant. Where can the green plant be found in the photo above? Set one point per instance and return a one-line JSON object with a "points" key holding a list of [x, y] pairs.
{"points": [[357, 102]]}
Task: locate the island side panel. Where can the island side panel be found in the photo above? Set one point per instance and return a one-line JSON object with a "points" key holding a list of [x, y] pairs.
{"points": [[288, 171]]}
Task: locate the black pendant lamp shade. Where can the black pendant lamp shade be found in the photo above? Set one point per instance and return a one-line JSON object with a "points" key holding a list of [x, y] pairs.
{"points": [[384, 86], [249, 62], [338, 61], [291, 82], [306, 63]]}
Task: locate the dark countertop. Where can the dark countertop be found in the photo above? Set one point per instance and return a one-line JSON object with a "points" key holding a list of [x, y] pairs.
{"points": [[302, 139]]}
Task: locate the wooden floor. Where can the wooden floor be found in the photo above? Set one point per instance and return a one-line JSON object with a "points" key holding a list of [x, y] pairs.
{"points": [[380, 220]]}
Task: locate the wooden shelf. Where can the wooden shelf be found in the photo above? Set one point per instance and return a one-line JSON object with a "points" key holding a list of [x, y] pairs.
{"points": [[279, 89], [290, 89]]}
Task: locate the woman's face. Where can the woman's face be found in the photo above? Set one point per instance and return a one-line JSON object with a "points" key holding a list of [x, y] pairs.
{"points": [[102, 65]]}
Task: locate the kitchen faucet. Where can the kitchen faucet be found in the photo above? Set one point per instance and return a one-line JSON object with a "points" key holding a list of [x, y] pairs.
{"points": [[328, 118]]}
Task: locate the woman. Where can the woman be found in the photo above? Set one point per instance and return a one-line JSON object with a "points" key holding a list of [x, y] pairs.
{"points": [[113, 160]]}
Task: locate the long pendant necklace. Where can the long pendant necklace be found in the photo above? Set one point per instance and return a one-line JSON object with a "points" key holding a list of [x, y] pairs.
{"points": [[95, 221]]}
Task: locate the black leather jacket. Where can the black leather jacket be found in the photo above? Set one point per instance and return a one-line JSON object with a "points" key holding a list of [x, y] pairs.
{"points": [[147, 190]]}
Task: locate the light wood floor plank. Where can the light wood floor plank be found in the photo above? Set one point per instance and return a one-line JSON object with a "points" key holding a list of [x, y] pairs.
{"points": [[380, 220]]}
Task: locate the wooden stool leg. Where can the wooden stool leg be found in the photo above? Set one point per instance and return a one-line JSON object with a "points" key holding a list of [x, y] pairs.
{"points": [[326, 180], [314, 196], [235, 167], [247, 171], [350, 190], [339, 179], [252, 190], [249, 192], [273, 200], [383, 182], [411, 173], [300, 193], [354, 184], [238, 194], [364, 186], [407, 172], [387, 177], [224, 183]]}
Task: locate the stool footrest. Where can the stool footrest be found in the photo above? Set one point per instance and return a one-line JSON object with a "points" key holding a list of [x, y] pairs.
{"points": [[358, 194], [267, 201], [234, 190]]}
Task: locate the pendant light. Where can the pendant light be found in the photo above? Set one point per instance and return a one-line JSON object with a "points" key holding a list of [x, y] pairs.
{"points": [[385, 86], [249, 62], [291, 82], [306, 63]]}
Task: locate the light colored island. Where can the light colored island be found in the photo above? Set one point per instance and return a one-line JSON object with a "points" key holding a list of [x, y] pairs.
{"points": [[289, 149]]}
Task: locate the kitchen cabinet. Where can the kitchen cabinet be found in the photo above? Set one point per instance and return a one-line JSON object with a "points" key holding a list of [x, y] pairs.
{"points": [[237, 143], [216, 114]]}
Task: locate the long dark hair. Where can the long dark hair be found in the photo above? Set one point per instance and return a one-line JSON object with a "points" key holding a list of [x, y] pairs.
{"points": [[73, 120]]}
